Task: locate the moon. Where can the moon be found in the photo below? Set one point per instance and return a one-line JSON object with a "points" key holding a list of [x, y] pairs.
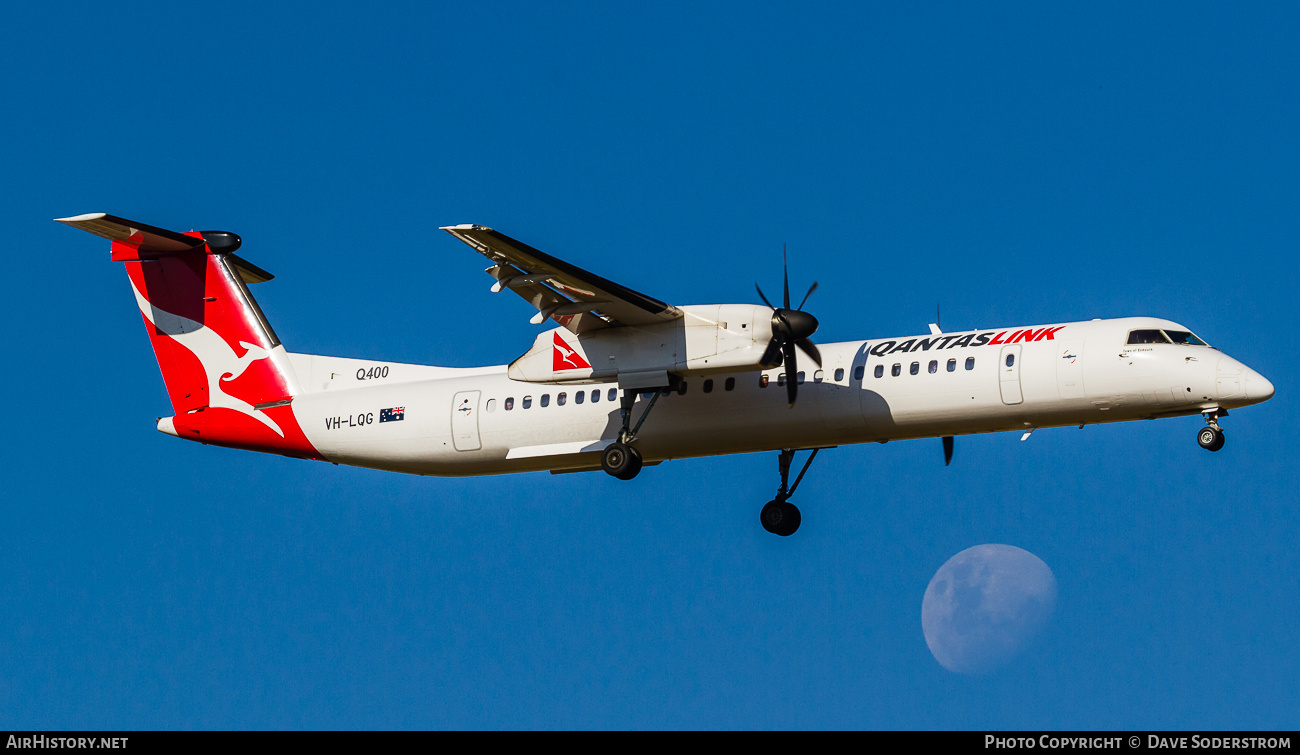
{"points": [[984, 605]]}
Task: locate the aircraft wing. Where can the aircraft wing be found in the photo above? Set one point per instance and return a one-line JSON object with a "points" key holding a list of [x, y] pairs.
{"points": [[576, 299]]}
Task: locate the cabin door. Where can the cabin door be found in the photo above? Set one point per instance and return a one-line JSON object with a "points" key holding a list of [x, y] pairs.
{"points": [[464, 421], [1009, 374]]}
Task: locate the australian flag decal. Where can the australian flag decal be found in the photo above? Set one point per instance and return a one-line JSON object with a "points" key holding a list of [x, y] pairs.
{"points": [[396, 414]]}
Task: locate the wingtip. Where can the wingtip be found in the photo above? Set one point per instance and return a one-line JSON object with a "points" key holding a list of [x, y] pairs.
{"points": [[81, 218]]}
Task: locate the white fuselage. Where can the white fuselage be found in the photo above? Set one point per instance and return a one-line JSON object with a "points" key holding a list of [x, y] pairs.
{"points": [[456, 421]]}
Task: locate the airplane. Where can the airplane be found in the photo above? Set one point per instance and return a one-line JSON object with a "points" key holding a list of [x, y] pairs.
{"points": [[624, 380]]}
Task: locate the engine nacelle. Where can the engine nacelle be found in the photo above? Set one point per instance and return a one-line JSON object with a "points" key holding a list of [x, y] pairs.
{"points": [[706, 339]]}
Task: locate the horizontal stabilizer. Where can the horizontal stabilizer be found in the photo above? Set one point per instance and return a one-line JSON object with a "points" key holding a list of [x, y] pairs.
{"points": [[149, 241], [145, 237], [248, 271]]}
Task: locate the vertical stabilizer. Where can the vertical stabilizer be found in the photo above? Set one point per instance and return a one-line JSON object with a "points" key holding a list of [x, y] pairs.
{"points": [[227, 375]]}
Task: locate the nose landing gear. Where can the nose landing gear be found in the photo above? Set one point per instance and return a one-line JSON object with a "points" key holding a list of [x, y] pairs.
{"points": [[779, 516], [1211, 437]]}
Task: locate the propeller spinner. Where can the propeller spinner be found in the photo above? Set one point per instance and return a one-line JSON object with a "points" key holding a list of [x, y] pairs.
{"points": [[791, 328]]}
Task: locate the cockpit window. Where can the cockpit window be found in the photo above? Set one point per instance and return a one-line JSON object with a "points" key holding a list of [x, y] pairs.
{"points": [[1147, 336], [1183, 337]]}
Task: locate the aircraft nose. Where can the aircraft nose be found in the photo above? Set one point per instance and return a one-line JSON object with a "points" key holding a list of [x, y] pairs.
{"points": [[1258, 388]]}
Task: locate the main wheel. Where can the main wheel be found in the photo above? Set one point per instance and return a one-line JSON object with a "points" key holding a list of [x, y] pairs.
{"points": [[1210, 438], [621, 461], [780, 518], [634, 468]]}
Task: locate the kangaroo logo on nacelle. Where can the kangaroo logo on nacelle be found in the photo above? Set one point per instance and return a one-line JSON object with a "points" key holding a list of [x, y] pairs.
{"points": [[220, 362], [566, 357]]}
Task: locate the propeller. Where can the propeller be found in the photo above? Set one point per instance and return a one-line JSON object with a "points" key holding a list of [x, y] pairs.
{"points": [[791, 328]]}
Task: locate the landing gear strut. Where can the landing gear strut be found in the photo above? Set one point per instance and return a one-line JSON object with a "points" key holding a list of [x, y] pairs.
{"points": [[779, 516], [1211, 436], [621, 459]]}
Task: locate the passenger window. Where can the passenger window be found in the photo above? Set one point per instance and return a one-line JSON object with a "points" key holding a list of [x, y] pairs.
{"points": [[1011, 359], [595, 396], [857, 372], [839, 374], [579, 397], [546, 399], [681, 388], [818, 376], [934, 366], [528, 402], [799, 376], [613, 394], [916, 368], [491, 405], [952, 365], [970, 363], [510, 403], [880, 370], [762, 381], [896, 370], [708, 385], [730, 384], [780, 379], [560, 399], [1147, 336]]}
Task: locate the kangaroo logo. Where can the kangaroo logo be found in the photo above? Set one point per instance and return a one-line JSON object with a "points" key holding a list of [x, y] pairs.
{"points": [[220, 363], [565, 357]]}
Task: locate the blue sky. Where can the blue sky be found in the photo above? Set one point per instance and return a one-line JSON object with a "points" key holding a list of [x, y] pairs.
{"points": [[1015, 164]]}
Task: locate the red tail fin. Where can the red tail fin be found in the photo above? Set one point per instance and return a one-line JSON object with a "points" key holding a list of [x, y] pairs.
{"points": [[229, 379]]}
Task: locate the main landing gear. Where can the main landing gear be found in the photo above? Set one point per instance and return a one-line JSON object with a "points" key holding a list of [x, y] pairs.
{"points": [[1211, 436], [779, 516], [621, 459]]}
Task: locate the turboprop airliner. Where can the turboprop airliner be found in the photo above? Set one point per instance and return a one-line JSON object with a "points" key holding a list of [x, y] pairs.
{"points": [[624, 380]]}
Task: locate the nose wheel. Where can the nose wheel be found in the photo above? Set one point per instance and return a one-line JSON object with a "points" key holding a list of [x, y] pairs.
{"points": [[779, 516], [1210, 437]]}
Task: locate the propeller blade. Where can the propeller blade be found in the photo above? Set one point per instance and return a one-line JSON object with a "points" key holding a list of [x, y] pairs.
{"points": [[947, 450], [772, 356], [810, 349], [791, 372], [811, 288], [764, 298], [785, 270]]}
